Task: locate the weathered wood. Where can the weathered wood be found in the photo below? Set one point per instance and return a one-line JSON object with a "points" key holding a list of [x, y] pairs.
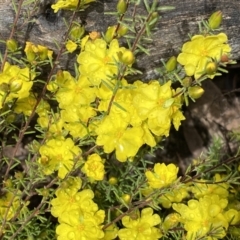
{"points": [[171, 31]]}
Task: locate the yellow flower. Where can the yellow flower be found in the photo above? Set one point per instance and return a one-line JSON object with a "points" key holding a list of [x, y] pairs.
{"points": [[114, 134], [70, 4], [162, 176], [58, 154], [156, 104], [202, 50], [94, 167], [141, 228], [199, 217], [98, 60], [74, 92], [77, 225], [221, 189], [77, 214], [26, 105], [70, 199], [71, 46]]}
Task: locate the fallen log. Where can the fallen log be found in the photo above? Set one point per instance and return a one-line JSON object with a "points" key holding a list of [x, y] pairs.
{"points": [[47, 28]]}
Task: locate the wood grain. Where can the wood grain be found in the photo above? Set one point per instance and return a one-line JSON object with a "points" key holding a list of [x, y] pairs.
{"points": [[171, 31]]}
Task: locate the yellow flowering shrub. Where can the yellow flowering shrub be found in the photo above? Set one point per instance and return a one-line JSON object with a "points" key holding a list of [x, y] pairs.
{"points": [[89, 138]]}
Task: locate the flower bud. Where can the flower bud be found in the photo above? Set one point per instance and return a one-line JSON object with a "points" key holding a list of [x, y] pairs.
{"points": [[195, 92], [94, 35], [11, 118], [109, 35], [44, 192], [171, 64], [11, 45], [122, 30], [60, 77], [127, 57], [186, 82], [121, 6], [232, 216], [8, 183], [215, 20], [42, 52], [15, 85], [113, 180], [71, 46], [30, 56], [170, 221], [224, 58], [76, 32], [19, 175], [211, 68], [126, 198]]}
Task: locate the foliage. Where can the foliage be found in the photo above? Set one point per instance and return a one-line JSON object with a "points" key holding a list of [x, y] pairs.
{"points": [[86, 173]]}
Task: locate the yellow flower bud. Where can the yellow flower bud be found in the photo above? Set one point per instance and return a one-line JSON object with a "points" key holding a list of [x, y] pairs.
{"points": [[43, 52], [8, 183], [127, 57], [11, 45], [18, 175], [211, 68], [109, 35], [171, 64], [76, 32], [30, 56], [122, 30], [126, 198], [113, 180], [186, 82], [121, 6], [44, 192], [215, 20], [15, 85], [195, 92], [71, 46], [171, 221], [60, 75], [94, 35]]}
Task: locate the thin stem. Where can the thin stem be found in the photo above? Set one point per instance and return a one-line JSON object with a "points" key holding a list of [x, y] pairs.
{"points": [[24, 129], [12, 32]]}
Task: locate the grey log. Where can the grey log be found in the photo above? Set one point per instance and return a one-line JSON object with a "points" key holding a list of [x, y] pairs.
{"points": [[171, 31]]}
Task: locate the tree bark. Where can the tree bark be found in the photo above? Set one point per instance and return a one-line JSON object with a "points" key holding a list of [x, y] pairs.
{"points": [[171, 31]]}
